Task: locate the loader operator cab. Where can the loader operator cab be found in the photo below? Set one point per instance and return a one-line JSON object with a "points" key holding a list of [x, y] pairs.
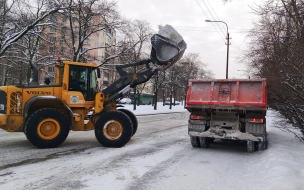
{"points": [[84, 80]]}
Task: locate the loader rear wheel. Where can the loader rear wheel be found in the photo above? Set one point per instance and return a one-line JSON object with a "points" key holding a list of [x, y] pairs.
{"points": [[194, 141], [47, 128], [113, 129], [133, 119]]}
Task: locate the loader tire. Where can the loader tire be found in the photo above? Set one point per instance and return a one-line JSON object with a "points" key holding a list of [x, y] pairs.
{"points": [[113, 129], [194, 141], [47, 128], [133, 119], [204, 142]]}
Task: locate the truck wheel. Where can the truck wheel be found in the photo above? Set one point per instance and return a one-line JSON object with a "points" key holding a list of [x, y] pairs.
{"points": [[251, 146], [205, 142], [47, 128], [263, 145], [194, 141], [113, 129], [133, 119]]}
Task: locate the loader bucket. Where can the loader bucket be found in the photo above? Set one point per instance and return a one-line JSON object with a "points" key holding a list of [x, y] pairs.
{"points": [[168, 46]]}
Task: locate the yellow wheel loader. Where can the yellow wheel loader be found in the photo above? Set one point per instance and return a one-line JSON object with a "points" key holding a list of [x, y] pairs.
{"points": [[46, 113]]}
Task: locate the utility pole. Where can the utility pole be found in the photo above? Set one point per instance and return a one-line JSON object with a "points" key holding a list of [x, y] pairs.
{"points": [[134, 97], [227, 53], [228, 43]]}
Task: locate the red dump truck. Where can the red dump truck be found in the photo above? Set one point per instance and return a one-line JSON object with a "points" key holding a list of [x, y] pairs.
{"points": [[233, 109]]}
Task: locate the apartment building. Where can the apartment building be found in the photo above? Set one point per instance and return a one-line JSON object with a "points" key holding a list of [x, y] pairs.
{"points": [[60, 40]]}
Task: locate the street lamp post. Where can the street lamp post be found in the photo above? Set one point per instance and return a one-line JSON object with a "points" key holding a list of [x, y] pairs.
{"points": [[227, 44]]}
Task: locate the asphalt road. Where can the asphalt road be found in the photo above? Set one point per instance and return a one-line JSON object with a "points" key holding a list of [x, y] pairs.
{"points": [[159, 156]]}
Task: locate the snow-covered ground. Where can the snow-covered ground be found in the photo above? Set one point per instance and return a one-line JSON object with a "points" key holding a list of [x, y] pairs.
{"points": [[159, 156], [149, 109], [279, 167]]}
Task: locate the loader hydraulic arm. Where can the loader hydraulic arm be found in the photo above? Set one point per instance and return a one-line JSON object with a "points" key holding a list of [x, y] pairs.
{"points": [[167, 48], [129, 80]]}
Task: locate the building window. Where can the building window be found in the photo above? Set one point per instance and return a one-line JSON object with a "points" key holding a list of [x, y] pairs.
{"points": [[63, 30], [52, 39], [109, 41], [52, 29], [64, 19], [109, 32], [85, 41], [50, 69], [84, 50], [62, 50], [75, 30], [53, 19], [52, 49], [105, 75]]}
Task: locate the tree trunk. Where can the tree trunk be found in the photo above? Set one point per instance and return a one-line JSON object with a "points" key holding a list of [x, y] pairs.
{"points": [[3, 82]]}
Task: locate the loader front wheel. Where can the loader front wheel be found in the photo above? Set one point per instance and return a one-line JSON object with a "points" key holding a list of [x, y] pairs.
{"points": [[47, 128], [133, 119], [113, 129]]}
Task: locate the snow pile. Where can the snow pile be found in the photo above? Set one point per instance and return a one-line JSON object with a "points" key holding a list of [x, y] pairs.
{"points": [[281, 166], [149, 109]]}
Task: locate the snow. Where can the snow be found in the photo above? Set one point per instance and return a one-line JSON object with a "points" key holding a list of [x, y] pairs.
{"points": [[153, 160], [148, 109]]}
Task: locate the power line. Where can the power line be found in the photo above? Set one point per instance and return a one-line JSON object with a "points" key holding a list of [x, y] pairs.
{"points": [[202, 40], [219, 26], [207, 17], [234, 50]]}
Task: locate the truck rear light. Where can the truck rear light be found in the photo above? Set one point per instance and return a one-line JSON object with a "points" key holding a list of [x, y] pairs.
{"points": [[197, 117], [256, 120]]}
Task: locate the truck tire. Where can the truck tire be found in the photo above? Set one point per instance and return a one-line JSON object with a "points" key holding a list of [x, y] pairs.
{"points": [[204, 142], [113, 129], [133, 119], [47, 128], [263, 145], [194, 141], [251, 146]]}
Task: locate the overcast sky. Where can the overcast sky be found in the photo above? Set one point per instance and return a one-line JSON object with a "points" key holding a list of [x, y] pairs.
{"points": [[208, 39]]}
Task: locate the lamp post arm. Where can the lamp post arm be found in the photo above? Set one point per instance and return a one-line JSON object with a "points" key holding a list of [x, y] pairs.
{"points": [[227, 44]]}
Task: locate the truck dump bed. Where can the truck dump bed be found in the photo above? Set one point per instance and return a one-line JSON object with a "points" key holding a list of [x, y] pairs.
{"points": [[241, 94]]}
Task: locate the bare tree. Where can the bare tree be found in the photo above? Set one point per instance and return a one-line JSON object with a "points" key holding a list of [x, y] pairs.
{"points": [[276, 53], [174, 81], [134, 41], [83, 21], [191, 67], [12, 29]]}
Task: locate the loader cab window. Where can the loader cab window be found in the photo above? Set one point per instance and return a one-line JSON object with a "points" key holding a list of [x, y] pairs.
{"points": [[83, 79]]}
